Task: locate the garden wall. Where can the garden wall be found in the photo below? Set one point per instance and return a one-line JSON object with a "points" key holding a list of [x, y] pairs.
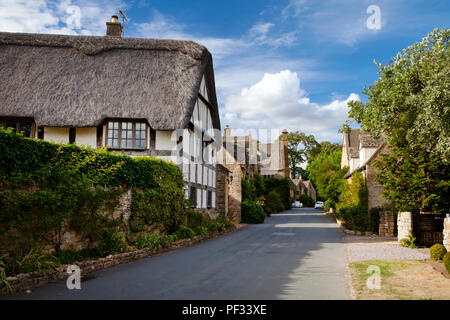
{"points": [[57, 200]]}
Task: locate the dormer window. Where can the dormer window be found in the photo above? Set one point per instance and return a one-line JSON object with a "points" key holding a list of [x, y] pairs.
{"points": [[126, 135]]}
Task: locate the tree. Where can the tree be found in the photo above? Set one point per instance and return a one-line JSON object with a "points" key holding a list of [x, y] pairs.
{"points": [[323, 148], [299, 147], [326, 174], [410, 105]]}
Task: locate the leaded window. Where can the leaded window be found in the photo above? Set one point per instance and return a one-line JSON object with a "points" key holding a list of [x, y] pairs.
{"points": [[126, 135], [19, 126]]}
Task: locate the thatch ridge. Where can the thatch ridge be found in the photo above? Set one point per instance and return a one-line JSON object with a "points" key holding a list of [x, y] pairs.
{"points": [[92, 45]]}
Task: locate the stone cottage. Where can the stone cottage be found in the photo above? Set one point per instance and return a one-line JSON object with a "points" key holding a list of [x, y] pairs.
{"points": [[141, 97], [359, 153], [242, 156]]}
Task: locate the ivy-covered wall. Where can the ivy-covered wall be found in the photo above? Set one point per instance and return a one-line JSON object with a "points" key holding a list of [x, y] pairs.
{"points": [[49, 192]]}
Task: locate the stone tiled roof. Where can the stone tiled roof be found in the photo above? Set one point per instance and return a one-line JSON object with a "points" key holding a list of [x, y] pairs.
{"points": [[367, 141]]}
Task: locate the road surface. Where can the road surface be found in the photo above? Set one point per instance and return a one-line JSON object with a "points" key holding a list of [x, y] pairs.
{"points": [[297, 254]]}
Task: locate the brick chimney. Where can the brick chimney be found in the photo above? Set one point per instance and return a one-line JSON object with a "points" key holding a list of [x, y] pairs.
{"points": [[114, 28]]}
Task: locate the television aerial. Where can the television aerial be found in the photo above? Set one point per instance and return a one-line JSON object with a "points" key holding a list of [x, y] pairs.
{"points": [[124, 19]]}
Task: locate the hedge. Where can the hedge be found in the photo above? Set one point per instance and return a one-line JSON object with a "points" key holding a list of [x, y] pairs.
{"points": [[29, 161]]}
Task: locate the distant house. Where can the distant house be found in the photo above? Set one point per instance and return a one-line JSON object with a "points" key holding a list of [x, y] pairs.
{"points": [[305, 188], [242, 156], [310, 191], [359, 152], [141, 97]]}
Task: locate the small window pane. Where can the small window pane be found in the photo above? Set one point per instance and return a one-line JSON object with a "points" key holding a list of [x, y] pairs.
{"points": [[25, 129], [10, 124]]}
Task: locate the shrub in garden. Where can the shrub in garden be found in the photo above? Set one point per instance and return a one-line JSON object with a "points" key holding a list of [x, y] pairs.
{"points": [[112, 242], [437, 252], [248, 189], [409, 242], [184, 232], [282, 187], [307, 201], [252, 212], [328, 204], [446, 261], [149, 240], [273, 202]]}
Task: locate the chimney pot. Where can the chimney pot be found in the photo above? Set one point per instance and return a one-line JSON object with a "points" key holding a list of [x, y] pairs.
{"points": [[227, 131], [114, 19]]}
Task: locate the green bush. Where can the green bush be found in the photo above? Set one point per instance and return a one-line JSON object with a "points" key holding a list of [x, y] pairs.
{"points": [[352, 207], [307, 201], [446, 261], [409, 242], [149, 240], [220, 224], [252, 212], [184, 232], [259, 185], [248, 189], [282, 187], [273, 202], [328, 204], [437, 252], [112, 242], [168, 240], [374, 220]]}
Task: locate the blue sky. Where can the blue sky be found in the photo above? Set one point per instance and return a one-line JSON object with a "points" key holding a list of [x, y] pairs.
{"points": [[278, 63]]}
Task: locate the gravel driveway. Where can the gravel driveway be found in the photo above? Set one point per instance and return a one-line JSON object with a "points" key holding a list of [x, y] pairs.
{"points": [[380, 248]]}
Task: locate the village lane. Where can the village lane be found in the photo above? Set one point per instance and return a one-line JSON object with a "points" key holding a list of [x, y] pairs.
{"points": [[298, 254]]}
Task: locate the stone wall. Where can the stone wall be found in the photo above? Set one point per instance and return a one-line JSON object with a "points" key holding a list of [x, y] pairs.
{"points": [[70, 240], [374, 190], [447, 233], [235, 194], [404, 224], [387, 224], [222, 182]]}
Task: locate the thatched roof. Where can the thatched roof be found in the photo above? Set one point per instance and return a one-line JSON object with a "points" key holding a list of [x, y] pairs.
{"points": [[79, 81]]}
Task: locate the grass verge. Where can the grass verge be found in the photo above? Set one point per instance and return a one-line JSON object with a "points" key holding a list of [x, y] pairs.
{"points": [[399, 280]]}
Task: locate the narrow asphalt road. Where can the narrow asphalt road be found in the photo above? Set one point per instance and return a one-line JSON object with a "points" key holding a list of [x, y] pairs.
{"points": [[297, 254]]}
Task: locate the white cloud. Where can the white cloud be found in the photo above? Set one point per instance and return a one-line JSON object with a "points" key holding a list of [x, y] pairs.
{"points": [[278, 101], [295, 7], [59, 17], [337, 21]]}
